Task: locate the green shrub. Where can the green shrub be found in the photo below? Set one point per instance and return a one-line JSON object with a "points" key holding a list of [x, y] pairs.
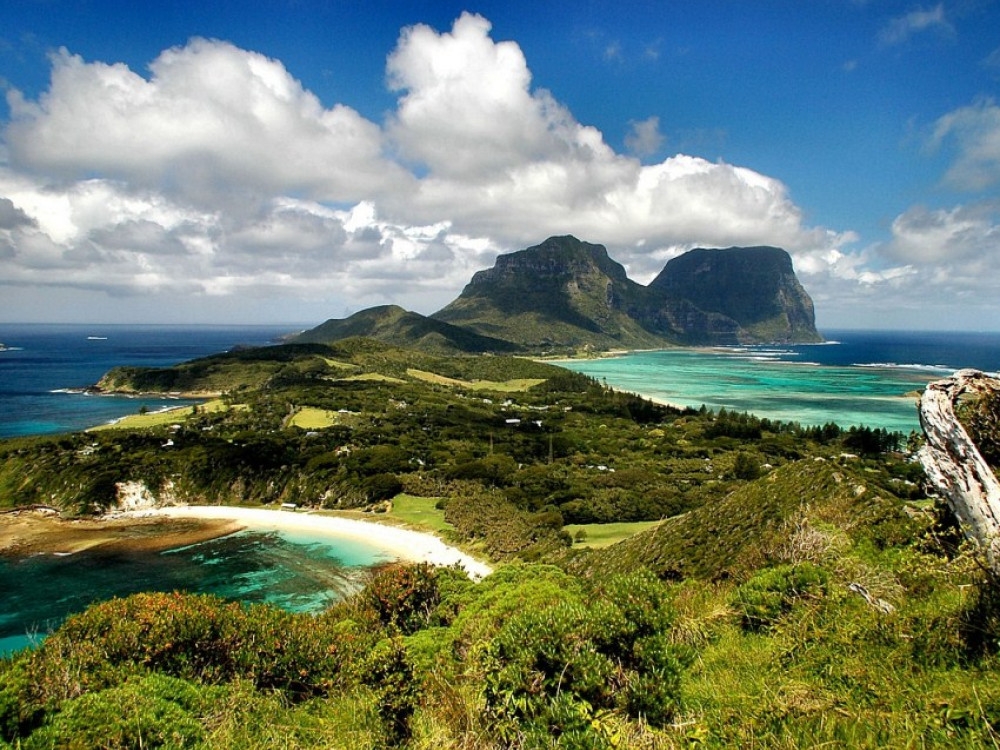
{"points": [[497, 470], [772, 592], [981, 418], [980, 621], [746, 467], [19, 712], [152, 711], [553, 669], [643, 601], [194, 637], [382, 487], [388, 672]]}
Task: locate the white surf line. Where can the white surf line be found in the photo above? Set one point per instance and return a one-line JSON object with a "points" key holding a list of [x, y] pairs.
{"points": [[410, 545]]}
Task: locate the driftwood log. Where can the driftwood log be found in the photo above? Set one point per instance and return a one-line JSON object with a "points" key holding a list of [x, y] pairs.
{"points": [[953, 464]]}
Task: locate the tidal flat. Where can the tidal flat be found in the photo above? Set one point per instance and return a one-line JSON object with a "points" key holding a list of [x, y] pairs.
{"points": [[27, 533]]}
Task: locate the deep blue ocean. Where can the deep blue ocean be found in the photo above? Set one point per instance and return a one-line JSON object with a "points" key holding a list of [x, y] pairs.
{"points": [[858, 377], [41, 361]]}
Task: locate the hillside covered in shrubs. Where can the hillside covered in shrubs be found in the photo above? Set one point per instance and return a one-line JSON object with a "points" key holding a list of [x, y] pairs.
{"points": [[788, 586]]}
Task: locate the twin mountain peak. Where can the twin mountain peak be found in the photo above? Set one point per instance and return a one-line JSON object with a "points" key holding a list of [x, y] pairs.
{"points": [[565, 294]]}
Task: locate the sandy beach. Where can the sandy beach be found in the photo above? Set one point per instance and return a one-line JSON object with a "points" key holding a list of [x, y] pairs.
{"points": [[403, 543]]}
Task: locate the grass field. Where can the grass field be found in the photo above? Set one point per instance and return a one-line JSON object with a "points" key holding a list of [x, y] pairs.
{"points": [[606, 534], [374, 376], [311, 418], [419, 512], [506, 386], [339, 365], [168, 416]]}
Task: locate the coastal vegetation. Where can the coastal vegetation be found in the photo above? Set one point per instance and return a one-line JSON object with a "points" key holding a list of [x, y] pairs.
{"points": [[665, 578]]}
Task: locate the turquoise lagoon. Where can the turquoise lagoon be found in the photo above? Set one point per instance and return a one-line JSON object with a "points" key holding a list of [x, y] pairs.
{"points": [[856, 378], [297, 571]]}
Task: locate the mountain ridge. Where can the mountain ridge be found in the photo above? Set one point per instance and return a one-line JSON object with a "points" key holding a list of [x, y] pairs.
{"points": [[567, 294], [560, 293], [394, 325]]}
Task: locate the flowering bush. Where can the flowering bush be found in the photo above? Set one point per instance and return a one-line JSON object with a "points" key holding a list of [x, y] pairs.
{"points": [[399, 597]]}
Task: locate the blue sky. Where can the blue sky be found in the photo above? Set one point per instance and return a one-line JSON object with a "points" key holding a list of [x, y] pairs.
{"points": [[293, 161]]}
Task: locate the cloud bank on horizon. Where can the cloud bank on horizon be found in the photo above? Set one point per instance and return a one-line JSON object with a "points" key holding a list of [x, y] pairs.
{"points": [[219, 181]]}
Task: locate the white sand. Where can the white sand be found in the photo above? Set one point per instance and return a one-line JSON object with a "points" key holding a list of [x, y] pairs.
{"points": [[405, 544]]}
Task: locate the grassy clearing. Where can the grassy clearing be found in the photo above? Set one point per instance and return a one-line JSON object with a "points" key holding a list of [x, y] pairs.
{"points": [[433, 377], [420, 512], [311, 418], [605, 534], [338, 364], [147, 420], [174, 415], [507, 386], [374, 377]]}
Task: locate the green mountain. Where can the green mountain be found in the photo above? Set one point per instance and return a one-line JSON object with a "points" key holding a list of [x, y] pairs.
{"points": [[569, 294], [241, 368], [736, 295], [305, 364], [561, 293], [393, 325]]}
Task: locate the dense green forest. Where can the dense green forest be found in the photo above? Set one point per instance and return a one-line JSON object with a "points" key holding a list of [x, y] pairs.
{"points": [[793, 585]]}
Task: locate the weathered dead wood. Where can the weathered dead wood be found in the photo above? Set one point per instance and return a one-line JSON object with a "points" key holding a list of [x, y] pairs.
{"points": [[953, 464], [873, 601]]}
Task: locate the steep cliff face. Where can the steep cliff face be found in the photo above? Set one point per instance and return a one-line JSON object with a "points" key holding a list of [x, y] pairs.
{"points": [[563, 292], [736, 295]]}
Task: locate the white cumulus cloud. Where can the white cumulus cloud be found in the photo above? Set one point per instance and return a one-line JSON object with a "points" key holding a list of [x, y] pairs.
{"points": [[209, 116], [218, 175], [505, 161], [920, 20], [947, 236], [975, 132]]}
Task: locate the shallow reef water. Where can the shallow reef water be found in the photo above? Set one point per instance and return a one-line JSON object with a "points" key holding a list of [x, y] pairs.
{"points": [[295, 571]]}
